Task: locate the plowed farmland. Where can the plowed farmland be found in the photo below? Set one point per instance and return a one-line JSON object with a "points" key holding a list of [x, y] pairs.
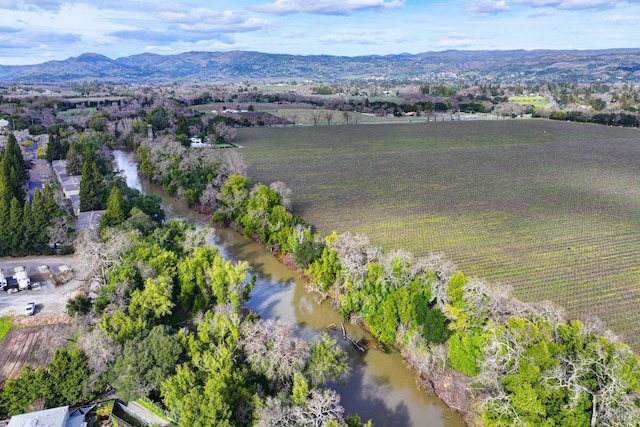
{"points": [[549, 208], [32, 346]]}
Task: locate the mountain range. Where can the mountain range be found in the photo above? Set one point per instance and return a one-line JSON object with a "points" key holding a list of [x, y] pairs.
{"points": [[509, 66]]}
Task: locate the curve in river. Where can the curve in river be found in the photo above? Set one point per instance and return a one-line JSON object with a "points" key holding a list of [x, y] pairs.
{"points": [[380, 387]]}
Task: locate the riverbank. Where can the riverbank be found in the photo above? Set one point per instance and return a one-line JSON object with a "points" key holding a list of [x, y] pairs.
{"points": [[431, 373], [380, 386]]}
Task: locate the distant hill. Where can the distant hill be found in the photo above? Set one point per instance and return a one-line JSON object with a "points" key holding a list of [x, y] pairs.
{"points": [[509, 66]]}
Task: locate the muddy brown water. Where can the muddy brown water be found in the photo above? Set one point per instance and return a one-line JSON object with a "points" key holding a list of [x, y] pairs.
{"points": [[379, 387]]}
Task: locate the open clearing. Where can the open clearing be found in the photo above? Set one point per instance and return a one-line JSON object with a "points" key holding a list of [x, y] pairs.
{"points": [[536, 101], [549, 208], [32, 346]]}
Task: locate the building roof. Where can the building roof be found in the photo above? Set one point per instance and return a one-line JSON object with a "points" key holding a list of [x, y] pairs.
{"points": [[55, 417], [89, 219]]}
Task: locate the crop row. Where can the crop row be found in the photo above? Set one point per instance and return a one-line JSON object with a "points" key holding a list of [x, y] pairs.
{"points": [[548, 208]]}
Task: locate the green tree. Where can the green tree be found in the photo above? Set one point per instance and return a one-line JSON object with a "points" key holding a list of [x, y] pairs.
{"points": [[30, 241], [97, 122], [74, 158], [92, 186], [300, 391], [145, 363], [16, 227], [68, 377], [40, 218], [5, 236], [327, 362], [158, 118], [18, 394], [116, 213], [12, 171]]}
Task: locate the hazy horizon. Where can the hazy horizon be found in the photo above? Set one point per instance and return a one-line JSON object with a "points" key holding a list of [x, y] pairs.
{"points": [[36, 31]]}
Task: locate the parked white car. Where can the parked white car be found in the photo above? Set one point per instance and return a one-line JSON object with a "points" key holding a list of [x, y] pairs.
{"points": [[31, 309]]}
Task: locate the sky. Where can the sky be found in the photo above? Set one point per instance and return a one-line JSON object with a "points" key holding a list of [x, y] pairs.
{"points": [[36, 31]]}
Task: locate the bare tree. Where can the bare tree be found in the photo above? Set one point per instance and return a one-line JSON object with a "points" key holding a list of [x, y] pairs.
{"points": [[99, 256], [58, 231], [328, 116], [232, 163], [322, 407], [275, 413], [225, 133], [355, 252], [284, 192], [99, 348], [209, 198], [52, 337], [274, 350], [315, 116]]}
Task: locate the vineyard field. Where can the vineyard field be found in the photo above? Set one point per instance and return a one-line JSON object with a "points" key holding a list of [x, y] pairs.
{"points": [[550, 208]]}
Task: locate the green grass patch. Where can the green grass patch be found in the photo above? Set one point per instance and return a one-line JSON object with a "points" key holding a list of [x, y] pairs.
{"points": [[548, 208], [536, 101], [5, 326], [153, 408]]}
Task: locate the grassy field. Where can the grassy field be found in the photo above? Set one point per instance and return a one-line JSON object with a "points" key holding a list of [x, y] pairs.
{"points": [[5, 326], [536, 101], [549, 208]]}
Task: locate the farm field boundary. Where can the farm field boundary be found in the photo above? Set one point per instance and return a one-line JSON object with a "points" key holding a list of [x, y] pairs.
{"points": [[549, 208]]}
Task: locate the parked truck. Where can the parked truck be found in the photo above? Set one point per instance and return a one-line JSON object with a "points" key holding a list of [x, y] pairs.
{"points": [[21, 276], [3, 280]]}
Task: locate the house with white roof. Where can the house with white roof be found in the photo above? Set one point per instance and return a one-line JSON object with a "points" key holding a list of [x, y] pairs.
{"points": [[54, 417]]}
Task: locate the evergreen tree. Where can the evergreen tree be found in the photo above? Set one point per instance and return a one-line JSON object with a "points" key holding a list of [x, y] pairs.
{"points": [[4, 227], [12, 171], [74, 159], [49, 201], [16, 227], [116, 213], [40, 218], [29, 243], [92, 186], [56, 149]]}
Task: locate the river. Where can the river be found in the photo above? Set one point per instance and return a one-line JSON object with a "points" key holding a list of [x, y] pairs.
{"points": [[379, 387]]}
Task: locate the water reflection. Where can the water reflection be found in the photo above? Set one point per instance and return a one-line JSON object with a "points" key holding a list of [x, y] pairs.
{"points": [[379, 387]]}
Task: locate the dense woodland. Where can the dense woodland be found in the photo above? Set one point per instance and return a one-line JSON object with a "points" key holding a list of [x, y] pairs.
{"points": [[168, 323]]}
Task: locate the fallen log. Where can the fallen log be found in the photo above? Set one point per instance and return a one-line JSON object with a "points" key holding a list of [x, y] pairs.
{"points": [[345, 336]]}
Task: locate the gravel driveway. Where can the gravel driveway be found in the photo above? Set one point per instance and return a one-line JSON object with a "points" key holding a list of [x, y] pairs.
{"points": [[50, 300]]}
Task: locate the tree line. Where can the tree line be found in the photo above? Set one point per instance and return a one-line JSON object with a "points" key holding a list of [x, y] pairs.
{"points": [[26, 226], [516, 363], [518, 357], [168, 325]]}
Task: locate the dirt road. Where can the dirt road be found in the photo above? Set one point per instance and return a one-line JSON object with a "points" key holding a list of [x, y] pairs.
{"points": [[49, 299]]}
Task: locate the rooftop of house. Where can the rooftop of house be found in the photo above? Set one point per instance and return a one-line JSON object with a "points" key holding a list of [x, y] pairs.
{"points": [[55, 417]]}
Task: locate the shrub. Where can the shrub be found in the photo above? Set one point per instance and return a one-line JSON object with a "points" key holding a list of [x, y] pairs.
{"points": [[79, 305]]}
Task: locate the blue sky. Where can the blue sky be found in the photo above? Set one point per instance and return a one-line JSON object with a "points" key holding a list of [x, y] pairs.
{"points": [[35, 31]]}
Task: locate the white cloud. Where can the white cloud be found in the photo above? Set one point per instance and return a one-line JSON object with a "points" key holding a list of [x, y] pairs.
{"points": [[623, 20], [569, 4], [8, 4], [33, 5], [454, 41], [326, 7], [360, 37], [207, 20], [489, 7]]}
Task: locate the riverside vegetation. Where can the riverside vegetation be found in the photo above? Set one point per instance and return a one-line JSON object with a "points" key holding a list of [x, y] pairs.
{"points": [[497, 360], [168, 324], [505, 362]]}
